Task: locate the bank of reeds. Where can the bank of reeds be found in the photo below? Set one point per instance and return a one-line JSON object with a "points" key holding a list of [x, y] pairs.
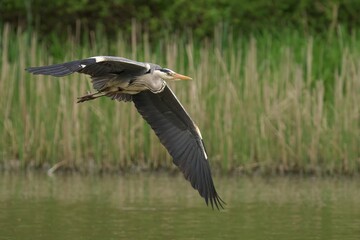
{"points": [[270, 104]]}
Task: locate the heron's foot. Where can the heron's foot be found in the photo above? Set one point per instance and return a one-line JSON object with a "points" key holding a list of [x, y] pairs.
{"points": [[84, 98], [89, 96]]}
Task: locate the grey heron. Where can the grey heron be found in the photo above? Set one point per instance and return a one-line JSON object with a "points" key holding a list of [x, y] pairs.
{"points": [[145, 85]]}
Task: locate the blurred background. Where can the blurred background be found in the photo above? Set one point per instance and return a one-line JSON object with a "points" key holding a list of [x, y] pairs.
{"points": [[180, 16], [276, 94]]}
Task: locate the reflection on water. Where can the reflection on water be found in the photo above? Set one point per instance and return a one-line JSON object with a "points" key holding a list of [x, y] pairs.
{"points": [[158, 206]]}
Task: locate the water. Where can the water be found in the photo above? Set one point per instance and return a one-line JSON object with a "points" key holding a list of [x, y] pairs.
{"points": [[159, 206]]}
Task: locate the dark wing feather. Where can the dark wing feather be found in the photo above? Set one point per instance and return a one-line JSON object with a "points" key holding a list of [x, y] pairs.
{"points": [[62, 69], [178, 133], [120, 96], [94, 66]]}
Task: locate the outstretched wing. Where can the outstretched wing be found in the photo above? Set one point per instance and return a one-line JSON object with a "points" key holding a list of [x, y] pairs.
{"points": [[94, 66], [181, 137], [102, 69]]}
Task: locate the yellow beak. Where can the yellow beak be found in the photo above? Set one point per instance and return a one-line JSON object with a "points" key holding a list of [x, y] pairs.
{"points": [[181, 77]]}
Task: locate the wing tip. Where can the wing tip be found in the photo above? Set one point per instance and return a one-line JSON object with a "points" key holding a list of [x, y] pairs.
{"points": [[215, 201], [40, 71], [62, 69]]}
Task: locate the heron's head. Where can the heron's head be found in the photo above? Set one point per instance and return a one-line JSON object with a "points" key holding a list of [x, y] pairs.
{"points": [[168, 74]]}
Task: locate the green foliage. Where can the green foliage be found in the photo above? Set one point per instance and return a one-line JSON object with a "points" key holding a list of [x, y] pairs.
{"points": [[60, 16]]}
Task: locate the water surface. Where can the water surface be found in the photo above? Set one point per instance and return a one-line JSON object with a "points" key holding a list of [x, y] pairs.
{"points": [[159, 206]]}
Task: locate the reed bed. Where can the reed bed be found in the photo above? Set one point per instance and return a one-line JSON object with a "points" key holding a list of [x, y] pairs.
{"points": [[265, 104]]}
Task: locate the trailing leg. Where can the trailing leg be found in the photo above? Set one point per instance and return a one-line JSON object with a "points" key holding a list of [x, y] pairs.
{"points": [[90, 96]]}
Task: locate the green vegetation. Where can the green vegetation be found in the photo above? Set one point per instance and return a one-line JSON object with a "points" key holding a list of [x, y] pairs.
{"points": [[161, 17], [268, 103]]}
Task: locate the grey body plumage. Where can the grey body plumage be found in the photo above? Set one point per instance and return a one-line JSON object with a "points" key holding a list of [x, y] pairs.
{"points": [[144, 84]]}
